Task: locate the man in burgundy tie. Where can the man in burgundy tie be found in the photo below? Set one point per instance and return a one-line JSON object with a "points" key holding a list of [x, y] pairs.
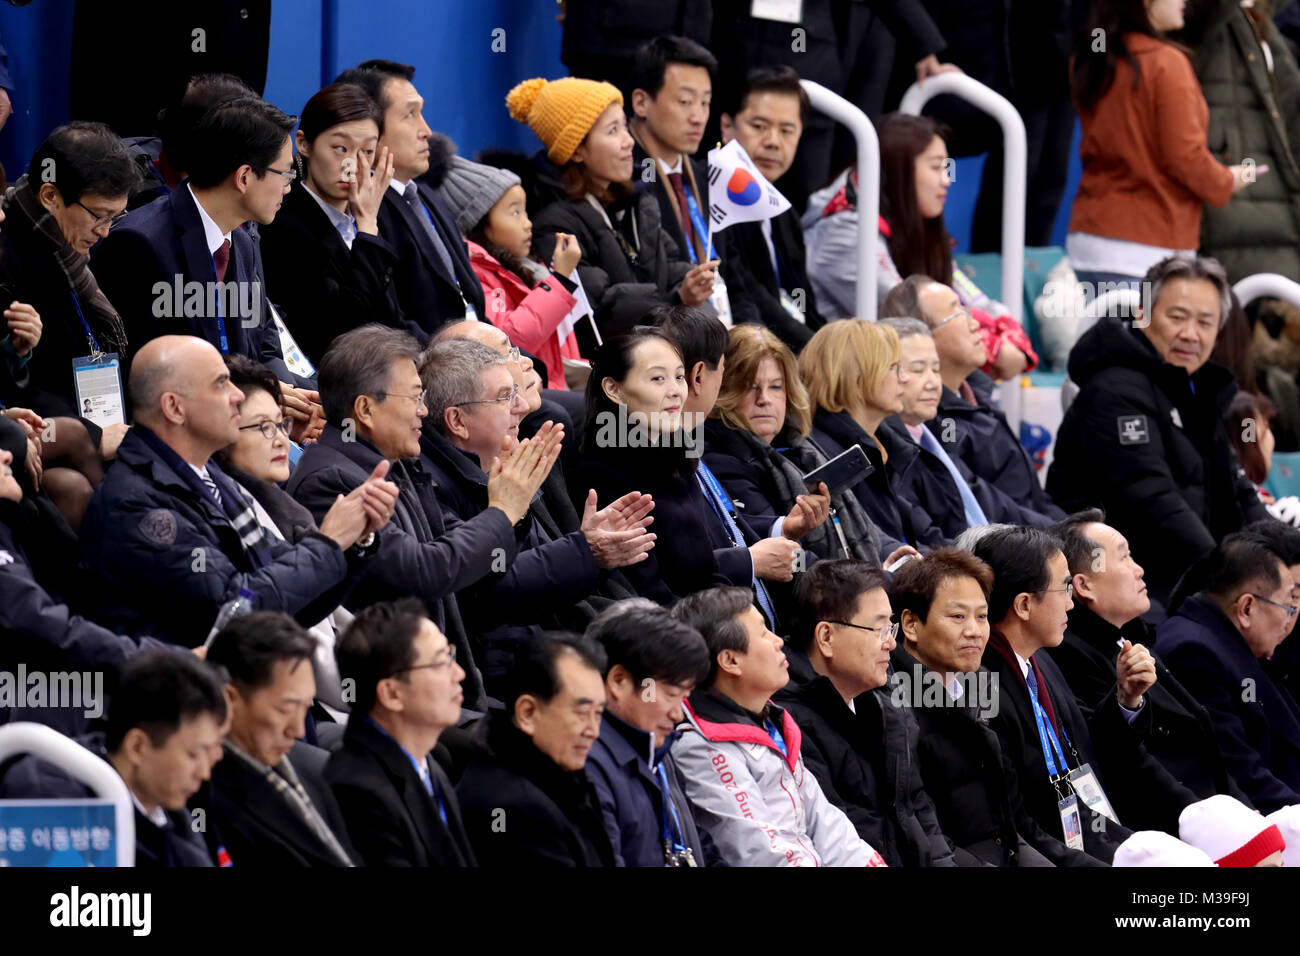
{"points": [[1048, 740]]}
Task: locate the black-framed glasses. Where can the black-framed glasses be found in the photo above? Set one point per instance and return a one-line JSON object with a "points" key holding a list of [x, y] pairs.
{"points": [[109, 221], [419, 399], [445, 660], [514, 393], [1290, 609], [889, 630], [289, 174], [268, 428], [1068, 589]]}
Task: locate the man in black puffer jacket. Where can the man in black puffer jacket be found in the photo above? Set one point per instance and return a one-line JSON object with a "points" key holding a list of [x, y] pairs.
{"points": [[1143, 439]]}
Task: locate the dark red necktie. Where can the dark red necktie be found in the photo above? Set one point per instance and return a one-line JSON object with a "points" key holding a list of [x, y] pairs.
{"points": [[221, 259], [680, 190]]}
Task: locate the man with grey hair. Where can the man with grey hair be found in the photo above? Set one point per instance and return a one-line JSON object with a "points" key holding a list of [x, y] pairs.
{"points": [[374, 407], [475, 406], [971, 428], [955, 497], [1143, 439], [169, 538]]}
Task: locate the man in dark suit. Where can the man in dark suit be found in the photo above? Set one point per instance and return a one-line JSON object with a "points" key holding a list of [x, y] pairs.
{"points": [[374, 406], [434, 280], [1109, 599], [525, 797], [767, 259], [1216, 643], [267, 807], [162, 732], [1043, 729], [398, 804], [181, 265]]}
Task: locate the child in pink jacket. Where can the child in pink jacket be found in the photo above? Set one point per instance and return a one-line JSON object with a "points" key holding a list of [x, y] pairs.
{"points": [[536, 306]]}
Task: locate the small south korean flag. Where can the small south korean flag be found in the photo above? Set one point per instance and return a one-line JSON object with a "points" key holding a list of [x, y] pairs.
{"points": [[737, 190]]}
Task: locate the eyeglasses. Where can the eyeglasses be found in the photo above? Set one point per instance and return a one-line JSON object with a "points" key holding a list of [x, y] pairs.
{"points": [[289, 174], [1290, 609], [514, 393], [109, 221], [512, 354], [420, 398], [1068, 589], [961, 311], [446, 661], [890, 630], [268, 428]]}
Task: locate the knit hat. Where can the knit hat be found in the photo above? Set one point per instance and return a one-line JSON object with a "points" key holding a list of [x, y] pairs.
{"points": [[561, 112], [472, 189], [1156, 848], [1229, 831], [1288, 821]]}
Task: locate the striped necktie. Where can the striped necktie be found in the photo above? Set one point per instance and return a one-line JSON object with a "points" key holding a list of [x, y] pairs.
{"points": [[212, 487]]}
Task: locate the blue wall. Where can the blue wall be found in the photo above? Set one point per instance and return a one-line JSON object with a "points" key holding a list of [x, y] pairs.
{"points": [[464, 83]]}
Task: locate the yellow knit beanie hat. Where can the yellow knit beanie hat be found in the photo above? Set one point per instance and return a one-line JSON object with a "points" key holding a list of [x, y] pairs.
{"points": [[561, 112]]}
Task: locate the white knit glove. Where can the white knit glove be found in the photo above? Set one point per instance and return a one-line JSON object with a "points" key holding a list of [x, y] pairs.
{"points": [[1286, 509]]}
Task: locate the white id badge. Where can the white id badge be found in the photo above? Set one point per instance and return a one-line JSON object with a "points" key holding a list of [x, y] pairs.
{"points": [[1070, 823], [98, 380], [783, 11], [1088, 789], [719, 300], [788, 303]]}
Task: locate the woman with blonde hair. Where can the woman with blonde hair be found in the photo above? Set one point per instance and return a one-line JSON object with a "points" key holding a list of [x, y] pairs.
{"points": [[851, 371], [756, 443]]}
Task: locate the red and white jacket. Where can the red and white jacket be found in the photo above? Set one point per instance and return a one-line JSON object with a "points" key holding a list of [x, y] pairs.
{"points": [[531, 317], [759, 806]]}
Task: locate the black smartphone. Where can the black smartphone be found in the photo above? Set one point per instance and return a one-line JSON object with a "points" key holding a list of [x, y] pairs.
{"points": [[840, 473]]}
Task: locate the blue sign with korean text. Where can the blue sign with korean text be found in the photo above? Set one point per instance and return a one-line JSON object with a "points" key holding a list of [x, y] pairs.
{"points": [[58, 833]]}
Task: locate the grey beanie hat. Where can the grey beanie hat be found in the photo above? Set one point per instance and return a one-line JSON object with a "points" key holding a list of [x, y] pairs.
{"points": [[472, 189]]}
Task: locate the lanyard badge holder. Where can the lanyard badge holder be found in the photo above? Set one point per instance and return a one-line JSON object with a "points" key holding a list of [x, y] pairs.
{"points": [[1083, 781], [97, 379], [676, 852], [1067, 804]]}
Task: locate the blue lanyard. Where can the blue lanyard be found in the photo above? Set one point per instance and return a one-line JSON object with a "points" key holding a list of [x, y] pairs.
{"points": [[426, 779], [776, 736], [701, 228], [90, 336], [716, 496], [673, 838], [221, 308], [1046, 733]]}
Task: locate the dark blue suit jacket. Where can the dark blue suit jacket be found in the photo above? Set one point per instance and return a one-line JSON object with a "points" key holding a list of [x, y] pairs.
{"points": [[427, 293], [164, 242], [1256, 722]]}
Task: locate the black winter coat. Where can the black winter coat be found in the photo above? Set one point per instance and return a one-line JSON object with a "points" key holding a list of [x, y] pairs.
{"points": [[897, 517], [929, 483], [975, 788], [524, 810], [980, 436], [682, 560], [423, 553], [622, 285], [514, 600], [321, 288], [866, 764], [1146, 443], [391, 819], [1182, 734], [1256, 722], [162, 558]]}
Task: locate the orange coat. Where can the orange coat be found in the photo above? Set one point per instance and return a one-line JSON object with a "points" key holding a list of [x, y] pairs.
{"points": [[1147, 170]]}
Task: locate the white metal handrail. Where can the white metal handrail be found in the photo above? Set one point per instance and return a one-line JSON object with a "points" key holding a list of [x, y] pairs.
{"points": [[868, 144], [68, 755], [1015, 152]]}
